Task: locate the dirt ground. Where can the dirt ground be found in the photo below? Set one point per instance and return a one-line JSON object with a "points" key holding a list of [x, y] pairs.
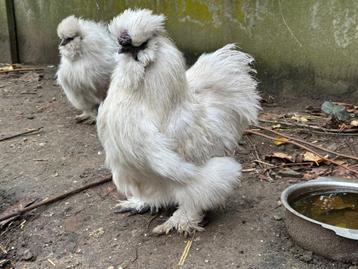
{"points": [[83, 232]]}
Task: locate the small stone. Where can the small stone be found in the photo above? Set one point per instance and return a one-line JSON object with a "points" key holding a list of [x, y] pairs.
{"points": [[277, 217], [206, 261], [25, 254], [307, 257], [29, 117], [110, 267], [124, 265]]}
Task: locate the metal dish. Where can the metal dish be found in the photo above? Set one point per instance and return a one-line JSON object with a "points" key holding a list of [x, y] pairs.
{"points": [[324, 239]]}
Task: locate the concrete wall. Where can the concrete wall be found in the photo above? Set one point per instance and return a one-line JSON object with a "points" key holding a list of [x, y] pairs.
{"points": [[298, 44], [5, 51]]}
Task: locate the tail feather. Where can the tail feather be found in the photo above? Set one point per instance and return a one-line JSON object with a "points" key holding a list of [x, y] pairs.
{"points": [[222, 81]]}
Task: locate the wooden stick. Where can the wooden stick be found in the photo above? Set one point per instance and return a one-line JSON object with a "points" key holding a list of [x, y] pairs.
{"points": [[20, 70], [20, 134], [326, 130], [303, 147], [55, 198], [307, 143]]}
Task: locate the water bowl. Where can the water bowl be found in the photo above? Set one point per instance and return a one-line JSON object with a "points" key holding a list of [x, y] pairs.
{"points": [[322, 216]]}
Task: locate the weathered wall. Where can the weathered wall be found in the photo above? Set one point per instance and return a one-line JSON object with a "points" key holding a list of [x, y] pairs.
{"points": [[5, 51], [311, 42]]}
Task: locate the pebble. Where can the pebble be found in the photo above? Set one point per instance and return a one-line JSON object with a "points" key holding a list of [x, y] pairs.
{"points": [[25, 254], [307, 257], [277, 217], [30, 117]]}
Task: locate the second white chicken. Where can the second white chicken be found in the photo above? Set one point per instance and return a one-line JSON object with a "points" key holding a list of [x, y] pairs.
{"points": [[87, 60]]}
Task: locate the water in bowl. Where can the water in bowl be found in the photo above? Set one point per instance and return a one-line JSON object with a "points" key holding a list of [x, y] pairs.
{"points": [[339, 209]]}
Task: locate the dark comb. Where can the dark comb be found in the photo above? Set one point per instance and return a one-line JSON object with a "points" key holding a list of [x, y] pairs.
{"points": [[124, 39]]}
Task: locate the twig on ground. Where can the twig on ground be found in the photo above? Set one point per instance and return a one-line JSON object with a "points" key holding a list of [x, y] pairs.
{"points": [[262, 162], [20, 134], [307, 143], [256, 155], [287, 165], [20, 70], [303, 147], [56, 198], [301, 125], [186, 250]]}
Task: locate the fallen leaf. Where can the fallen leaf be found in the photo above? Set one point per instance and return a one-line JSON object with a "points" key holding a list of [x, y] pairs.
{"points": [[344, 173], [316, 172], [299, 118], [279, 140], [276, 126], [282, 155], [311, 157], [9, 67], [354, 123]]}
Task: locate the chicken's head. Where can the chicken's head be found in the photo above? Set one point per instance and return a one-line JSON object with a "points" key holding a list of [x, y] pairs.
{"points": [[69, 32], [137, 32]]}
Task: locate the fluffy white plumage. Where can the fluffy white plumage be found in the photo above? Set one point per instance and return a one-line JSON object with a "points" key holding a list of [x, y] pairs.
{"points": [[167, 132], [87, 60]]}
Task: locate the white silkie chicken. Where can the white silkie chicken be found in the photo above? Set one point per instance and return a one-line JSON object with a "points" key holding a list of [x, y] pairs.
{"points": [[165, 131], [87, 60]]}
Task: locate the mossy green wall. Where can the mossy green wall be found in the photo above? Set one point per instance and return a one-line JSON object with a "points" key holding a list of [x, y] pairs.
{"points": [[312, 39]]}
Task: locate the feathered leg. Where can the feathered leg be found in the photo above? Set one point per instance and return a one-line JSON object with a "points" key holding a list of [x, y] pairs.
{"points": [[209, 190]]}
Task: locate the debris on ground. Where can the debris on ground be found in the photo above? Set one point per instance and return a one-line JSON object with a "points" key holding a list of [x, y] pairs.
{"points": [[308, 158]]}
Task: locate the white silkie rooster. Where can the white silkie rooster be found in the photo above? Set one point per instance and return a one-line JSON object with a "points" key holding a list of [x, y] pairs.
{"points": [[167, 132]]}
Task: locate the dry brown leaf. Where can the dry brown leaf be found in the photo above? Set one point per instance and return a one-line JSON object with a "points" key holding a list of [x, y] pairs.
{"points": [[316, 172], [299, 118], [7, 68], [341, 172], [311, 157], [282, 155], [276, 126], [279, 140]]}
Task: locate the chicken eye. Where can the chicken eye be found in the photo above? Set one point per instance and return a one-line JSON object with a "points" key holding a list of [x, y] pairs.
{"points": [[65, 41]]}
